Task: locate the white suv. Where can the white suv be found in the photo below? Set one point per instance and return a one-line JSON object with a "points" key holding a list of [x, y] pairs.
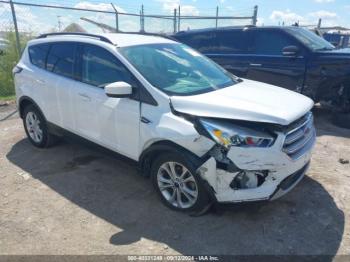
{"points": [[199, 132]]}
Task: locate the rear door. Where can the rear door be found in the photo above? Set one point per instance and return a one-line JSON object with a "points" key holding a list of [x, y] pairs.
{"points": [[270, 66], [228, 48], [37, 80], [232, 50], [60, 62]]}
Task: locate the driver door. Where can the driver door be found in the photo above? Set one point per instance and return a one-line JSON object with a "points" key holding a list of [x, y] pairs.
{"points": [[269, 65], [110, 122]]}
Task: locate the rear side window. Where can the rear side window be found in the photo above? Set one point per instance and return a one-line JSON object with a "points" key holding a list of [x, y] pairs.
{"points": [[203, 42], [233, 41], [100, 67], [60, 59], [37, 54], [271, 42]]}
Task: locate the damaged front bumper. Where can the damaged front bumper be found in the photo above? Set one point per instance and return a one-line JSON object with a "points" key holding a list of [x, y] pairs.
{"points": [[283, 166]]}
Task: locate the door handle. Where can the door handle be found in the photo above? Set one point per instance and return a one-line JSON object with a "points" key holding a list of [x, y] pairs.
{"points": [[255, 64], [85, 97], [145, 120]]}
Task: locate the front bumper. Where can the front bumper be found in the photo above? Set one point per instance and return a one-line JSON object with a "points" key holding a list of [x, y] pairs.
{"points": [[289, 183], [283, 171]]}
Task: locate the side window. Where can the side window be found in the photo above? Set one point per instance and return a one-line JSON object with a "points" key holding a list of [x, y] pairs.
{"points": [[204, 43], [271, 42], [61, 59], [233, 41], [37, 54], [100, 67]]}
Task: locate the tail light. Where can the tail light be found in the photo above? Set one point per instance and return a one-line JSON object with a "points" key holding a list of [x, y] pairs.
{"points": [[17, 70]]}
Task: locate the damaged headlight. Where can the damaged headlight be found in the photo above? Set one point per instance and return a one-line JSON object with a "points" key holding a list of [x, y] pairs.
{"points": [[228, 134]]}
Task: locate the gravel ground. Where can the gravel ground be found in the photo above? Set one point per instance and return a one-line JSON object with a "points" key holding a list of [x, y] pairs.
{"points": [[77, 199]]}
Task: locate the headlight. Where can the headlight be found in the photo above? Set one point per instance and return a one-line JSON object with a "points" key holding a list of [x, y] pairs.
{"points": [[227, 134]]}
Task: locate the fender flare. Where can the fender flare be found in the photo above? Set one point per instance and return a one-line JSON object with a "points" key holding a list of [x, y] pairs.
{"points": [[147, 156], [27, 100]]}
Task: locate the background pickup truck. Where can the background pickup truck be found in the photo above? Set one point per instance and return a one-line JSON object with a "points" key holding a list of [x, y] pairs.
{"points": [[289, 57]]}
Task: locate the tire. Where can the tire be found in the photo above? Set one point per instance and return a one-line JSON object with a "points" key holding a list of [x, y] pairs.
{"points": [[194, 197], [36, 128], [341, 120]]}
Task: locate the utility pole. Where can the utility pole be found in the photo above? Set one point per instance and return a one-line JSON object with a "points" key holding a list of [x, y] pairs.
{"points": [[175, 20], [179, 18], [217, 17], [255, 15], [59, 23], [116, 18], [142, 19], [319, 23], [18, 44]]}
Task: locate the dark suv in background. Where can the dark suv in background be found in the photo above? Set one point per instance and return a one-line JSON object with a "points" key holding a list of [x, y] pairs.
{"points": [[290, 57]]}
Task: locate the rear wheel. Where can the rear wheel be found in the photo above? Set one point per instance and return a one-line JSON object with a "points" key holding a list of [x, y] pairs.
{"points": [[36, 127], [177, 183], [341, 117]]}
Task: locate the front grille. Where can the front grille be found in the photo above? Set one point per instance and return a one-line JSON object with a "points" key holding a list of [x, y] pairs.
{"points": [[300, 137]]}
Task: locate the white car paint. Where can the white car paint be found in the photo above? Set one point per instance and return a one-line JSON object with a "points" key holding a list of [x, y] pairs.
{"points": [[248, 100], [115, 122]]}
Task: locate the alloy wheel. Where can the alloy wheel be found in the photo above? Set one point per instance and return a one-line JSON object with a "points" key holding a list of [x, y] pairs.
{"points": [[177, 185], [33, 127]]}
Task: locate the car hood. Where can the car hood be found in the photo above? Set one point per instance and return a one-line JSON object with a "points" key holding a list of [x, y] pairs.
{"points": [[247, 100]]}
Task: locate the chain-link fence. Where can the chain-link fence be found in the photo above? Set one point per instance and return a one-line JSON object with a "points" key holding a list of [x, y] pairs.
{"points": [[22, 21], [8, 51]]}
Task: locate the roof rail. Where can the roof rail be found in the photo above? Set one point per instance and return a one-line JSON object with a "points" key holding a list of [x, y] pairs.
{"points": [[215, 28], [102, 38]]}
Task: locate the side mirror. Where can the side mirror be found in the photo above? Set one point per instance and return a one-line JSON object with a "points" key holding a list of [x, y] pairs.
{"points": [[118, 89], [290, 51]]}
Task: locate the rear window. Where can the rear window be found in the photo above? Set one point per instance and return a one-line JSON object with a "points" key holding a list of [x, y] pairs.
{"points": [[203, 42], [220, 41], [37, 54], [233, 41], [60, 59]]}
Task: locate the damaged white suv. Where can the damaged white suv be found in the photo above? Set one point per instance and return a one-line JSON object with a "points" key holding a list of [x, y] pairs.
{"points": [[201, 133]]}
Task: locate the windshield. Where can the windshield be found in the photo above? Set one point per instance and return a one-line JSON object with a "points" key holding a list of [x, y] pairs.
{"points": [[310, 39], [177, 69]]}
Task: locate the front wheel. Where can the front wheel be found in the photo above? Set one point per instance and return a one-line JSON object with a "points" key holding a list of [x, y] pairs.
{"points": [[341, 120], [178, 185]]}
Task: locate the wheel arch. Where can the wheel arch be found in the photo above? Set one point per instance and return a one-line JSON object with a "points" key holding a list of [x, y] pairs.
{"points": [[24, 101], [328, 87], [148, 155]]}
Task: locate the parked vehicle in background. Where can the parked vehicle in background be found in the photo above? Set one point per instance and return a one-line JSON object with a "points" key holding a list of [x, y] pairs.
{"points": [[201, 133], [290, 57], [338, 40]]}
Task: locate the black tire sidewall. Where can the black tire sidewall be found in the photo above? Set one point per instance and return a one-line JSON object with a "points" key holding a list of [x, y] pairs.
{"points": [[341, 120], [43, 126], [203, 196]]}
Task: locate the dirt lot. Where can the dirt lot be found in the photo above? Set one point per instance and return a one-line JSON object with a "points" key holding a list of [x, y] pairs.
{"points": [[75, 199]]}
